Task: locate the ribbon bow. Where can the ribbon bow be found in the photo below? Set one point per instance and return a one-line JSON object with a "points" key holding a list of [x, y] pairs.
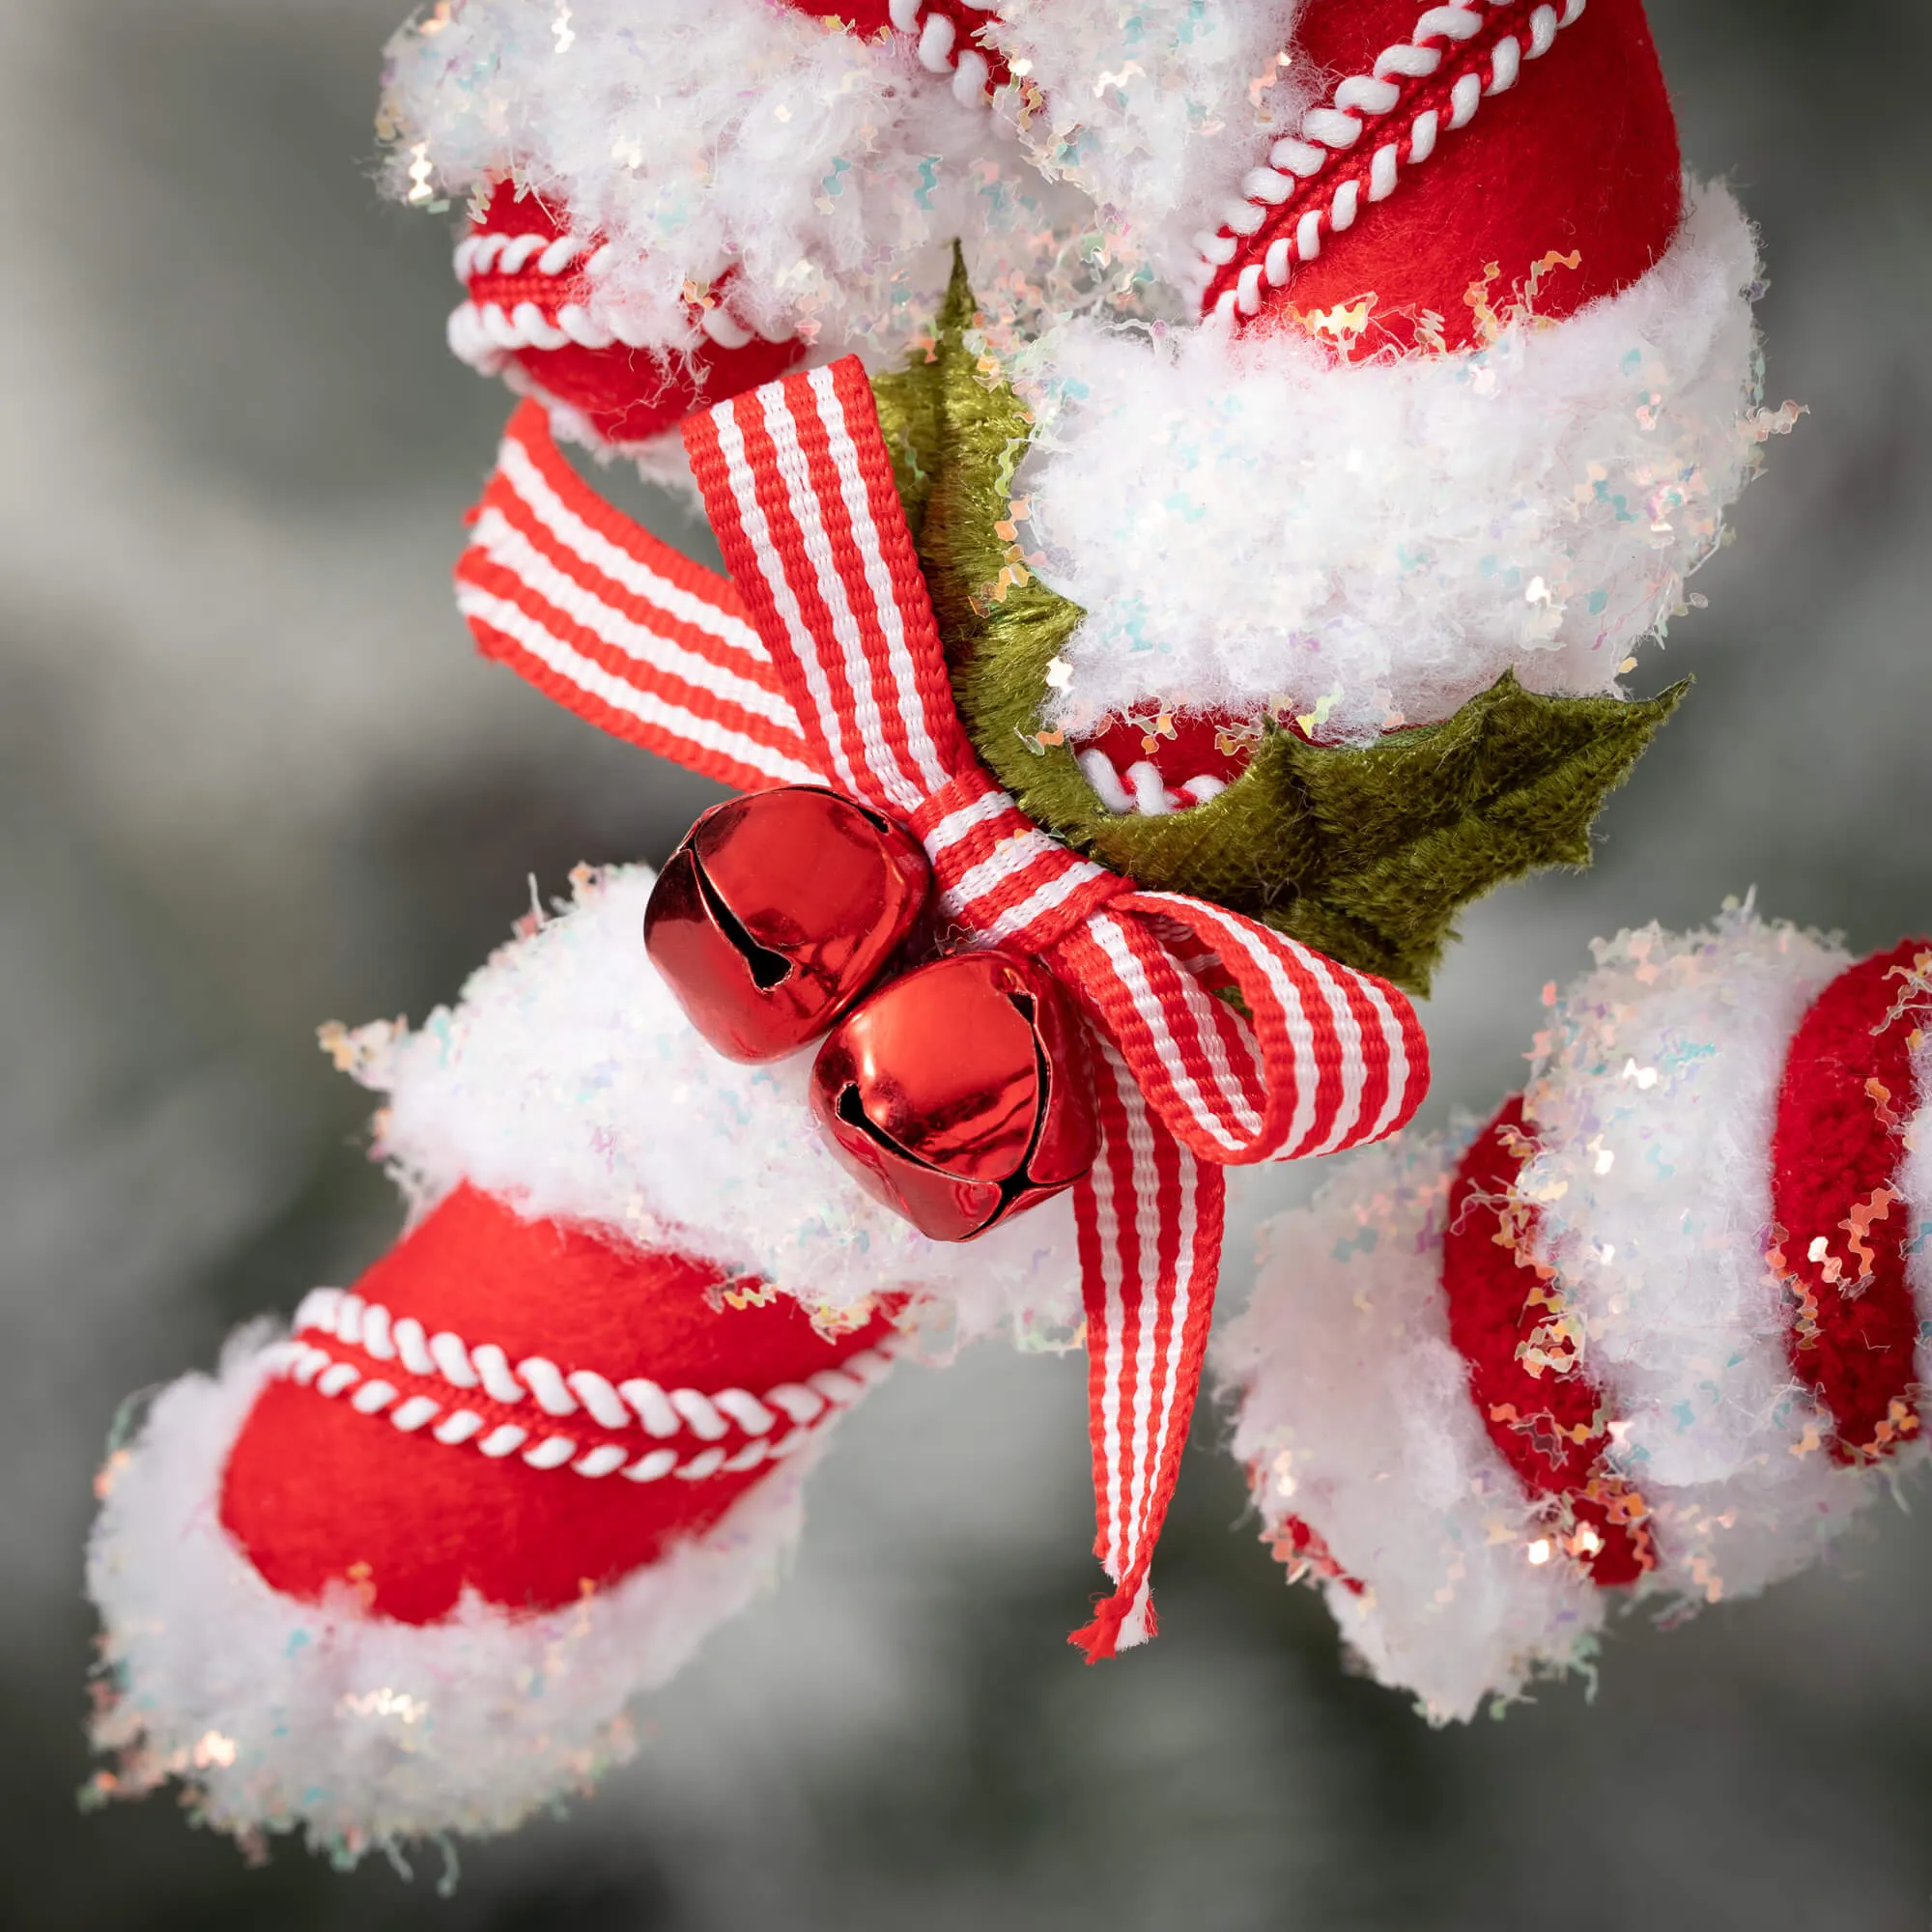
{"points": [[850, 685]]}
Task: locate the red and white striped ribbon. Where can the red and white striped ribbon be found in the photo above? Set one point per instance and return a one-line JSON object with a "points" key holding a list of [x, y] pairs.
{"points": [[615, 624], [1149, 1218], [1308, 1058]]}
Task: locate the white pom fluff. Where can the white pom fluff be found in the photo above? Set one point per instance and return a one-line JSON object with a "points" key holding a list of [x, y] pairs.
{"points": [[359, 1731], [1247, 523], [1156, 110], [1355, 1418], [568, 1080], [1653, 1105], [830, 171]]}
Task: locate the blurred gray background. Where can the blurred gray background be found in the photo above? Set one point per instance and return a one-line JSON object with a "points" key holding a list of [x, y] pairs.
{"points": [[254, 778]]}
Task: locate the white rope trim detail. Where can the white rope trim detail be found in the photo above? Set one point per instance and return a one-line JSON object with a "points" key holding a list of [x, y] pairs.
{"points": [[937, 41], [482, 333], [635, 1403], [1338, 125]]}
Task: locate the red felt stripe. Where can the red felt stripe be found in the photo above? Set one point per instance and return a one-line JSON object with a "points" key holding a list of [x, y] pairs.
{"points": [[1527, 1370], [1577, 159], [1844, 1223], [320, 1494]]}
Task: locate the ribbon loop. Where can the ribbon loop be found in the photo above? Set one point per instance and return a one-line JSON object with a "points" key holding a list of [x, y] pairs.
{"points": [[1316, 1058], [612, 623]]}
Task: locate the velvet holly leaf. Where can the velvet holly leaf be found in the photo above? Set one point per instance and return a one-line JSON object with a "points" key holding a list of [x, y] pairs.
{"points": [[1365, 852], [957, 433], [1368, 852]]}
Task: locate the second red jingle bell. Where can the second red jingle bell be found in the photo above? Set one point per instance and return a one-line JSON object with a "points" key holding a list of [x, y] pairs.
{"points": [[954, 1094]]}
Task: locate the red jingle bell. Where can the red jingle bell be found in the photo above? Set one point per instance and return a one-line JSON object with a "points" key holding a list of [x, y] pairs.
{"points": [[777, 912], [955, 1094]]}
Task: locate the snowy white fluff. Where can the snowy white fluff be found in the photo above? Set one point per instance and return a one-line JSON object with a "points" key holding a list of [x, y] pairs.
{"points": [[360, 1732], [1916, 1183], [1651, 1108], [1384, 539], [1355, 1419], [568, 1080], [831, 172], [1156, 110]]}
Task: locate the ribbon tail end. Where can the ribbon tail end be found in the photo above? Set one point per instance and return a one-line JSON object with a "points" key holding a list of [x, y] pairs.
{"points": [[1121, 1623]]}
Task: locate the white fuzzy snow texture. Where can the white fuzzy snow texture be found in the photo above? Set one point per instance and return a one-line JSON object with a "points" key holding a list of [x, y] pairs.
{"points": [[1248, 525], [1652, 1103], [1355, 1417], [1915, 1181], [1156, 110], [1652, 1106], [831, 172], [359, 1731], [568, 1080]]}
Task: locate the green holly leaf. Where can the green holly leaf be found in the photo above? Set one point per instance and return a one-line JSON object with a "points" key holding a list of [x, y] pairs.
{"points": [[1365, 852], [957, 433]]}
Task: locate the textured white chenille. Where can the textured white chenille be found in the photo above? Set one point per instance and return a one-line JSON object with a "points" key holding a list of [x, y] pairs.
{"points": [[830, 173], [1247, 523], [568, 1080], [356, 1730], [1156, 110], [1653, 1104], [1355, 1417]]}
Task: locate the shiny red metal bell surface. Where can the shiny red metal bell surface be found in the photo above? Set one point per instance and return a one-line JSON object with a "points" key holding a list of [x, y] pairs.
{"points": [[957, 1094], [778, 911]]}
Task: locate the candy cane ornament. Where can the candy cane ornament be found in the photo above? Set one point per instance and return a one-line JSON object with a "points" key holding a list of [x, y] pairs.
{"points": [[557, 1433]]}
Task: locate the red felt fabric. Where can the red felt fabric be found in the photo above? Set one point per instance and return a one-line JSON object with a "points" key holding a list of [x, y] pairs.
{"points": [[1581, 156], [509, 213], [1298, 1542], [625, 394], [1502, 1302], [1846, 1098], [863, 17], [629, 394], [316, 1491]]}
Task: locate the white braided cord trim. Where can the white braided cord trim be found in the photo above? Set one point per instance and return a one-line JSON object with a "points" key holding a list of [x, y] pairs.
{"points": [[1356, 104], [633, 1403], [483, 331], [940, 51]]}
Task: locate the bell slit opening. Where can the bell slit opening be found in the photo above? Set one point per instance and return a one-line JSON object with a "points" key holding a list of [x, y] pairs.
{"points": [[768, 969]]}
